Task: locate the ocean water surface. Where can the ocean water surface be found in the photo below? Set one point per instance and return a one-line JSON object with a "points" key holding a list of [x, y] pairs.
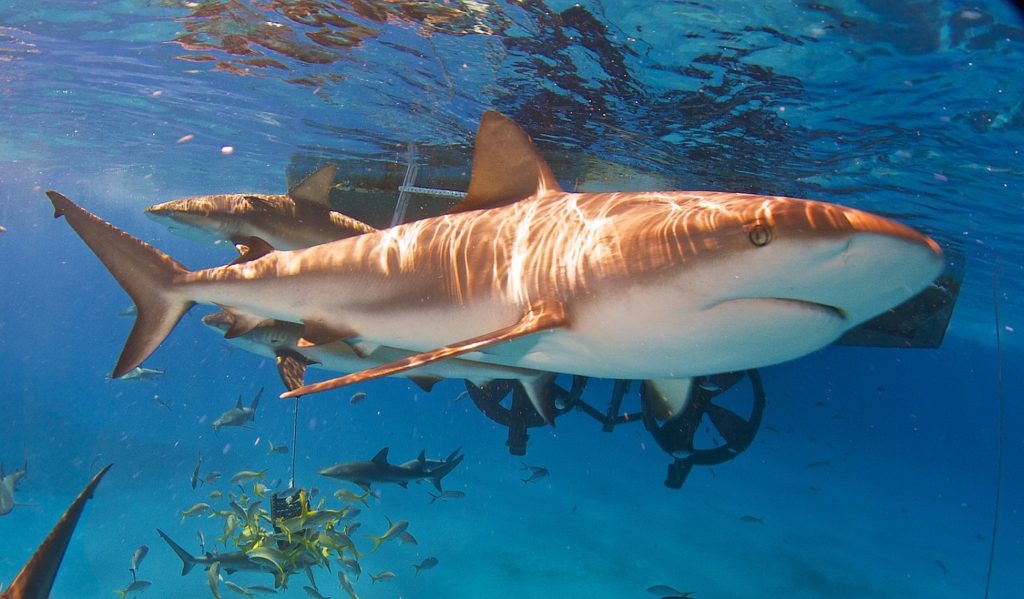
{"points": [[875, 472]]}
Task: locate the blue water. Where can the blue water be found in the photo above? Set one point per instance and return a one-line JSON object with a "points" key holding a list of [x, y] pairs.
{"points": [[911, 109]]}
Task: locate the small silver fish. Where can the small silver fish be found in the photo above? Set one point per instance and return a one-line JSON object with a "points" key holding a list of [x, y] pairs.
{"points": [[195, 472], [357, 397], [752, 519], [381, 576], [446, 495], [137, 557]]}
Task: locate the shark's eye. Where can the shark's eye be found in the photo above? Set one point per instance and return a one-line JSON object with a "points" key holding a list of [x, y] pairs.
{"points": [[760, 235]]}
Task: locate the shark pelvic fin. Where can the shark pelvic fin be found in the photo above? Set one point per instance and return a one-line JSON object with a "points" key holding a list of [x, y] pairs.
{"points": [[669, 397], [506, 166], [545, 316], [36, 579], [291, 367], [146, 273], [316, 188], [317, 333], [538, 389]]}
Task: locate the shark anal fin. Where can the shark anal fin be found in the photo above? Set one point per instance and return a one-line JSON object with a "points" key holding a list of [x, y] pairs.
{"points": [[506, 166], [318, 333], [291, 367], [547, 315], [316, 188], [249, 248], [36, 579]]}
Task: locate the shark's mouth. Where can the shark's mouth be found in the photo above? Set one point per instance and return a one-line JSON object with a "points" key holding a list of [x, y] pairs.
{"points": [[801, 304]]}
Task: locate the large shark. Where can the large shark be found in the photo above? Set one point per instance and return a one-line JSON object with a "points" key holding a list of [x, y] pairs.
{"points": [[36, 579], [640, 285], [300, 218]]}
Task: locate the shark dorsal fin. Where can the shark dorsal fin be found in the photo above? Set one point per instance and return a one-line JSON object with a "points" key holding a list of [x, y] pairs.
{"points": [[381, 458], [249, 249], [506, 166], [316, 188], [422, 459], [238, 402]]}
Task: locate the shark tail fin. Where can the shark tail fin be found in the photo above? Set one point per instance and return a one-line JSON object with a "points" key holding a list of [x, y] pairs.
{"points": [[146, 273], [441, 472], [187, 561]]}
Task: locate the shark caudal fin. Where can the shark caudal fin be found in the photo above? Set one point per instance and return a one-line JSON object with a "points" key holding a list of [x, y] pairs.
{"points": [[146, 273], [188, 561], [442, 471], [36, 579], [506, 166]]}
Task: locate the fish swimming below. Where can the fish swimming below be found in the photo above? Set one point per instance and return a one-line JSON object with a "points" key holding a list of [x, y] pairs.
{"points": [[639, 285]]}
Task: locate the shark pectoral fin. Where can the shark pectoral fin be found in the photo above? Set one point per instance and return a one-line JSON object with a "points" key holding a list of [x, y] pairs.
{"points": [[318, 333], [425, 382], [146, 273], [506, 166], [545, 316], [538, 389], [668, 397], [316, 188], [291, 367], [249, 248]]}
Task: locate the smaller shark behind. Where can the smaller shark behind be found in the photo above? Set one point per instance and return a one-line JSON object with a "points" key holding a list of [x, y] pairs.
{"points": [[239, 415], [379, 470], [294, 220]]}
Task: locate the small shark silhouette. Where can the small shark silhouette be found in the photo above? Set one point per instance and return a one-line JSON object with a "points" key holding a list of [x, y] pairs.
{"points": [[36, 579], [379, 470], [238, 415], [300, 218]]}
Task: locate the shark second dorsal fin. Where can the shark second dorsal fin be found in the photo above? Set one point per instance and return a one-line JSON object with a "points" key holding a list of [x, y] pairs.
{"points": [[381, 458], [316, 188], [506, 166], [249, 249]]}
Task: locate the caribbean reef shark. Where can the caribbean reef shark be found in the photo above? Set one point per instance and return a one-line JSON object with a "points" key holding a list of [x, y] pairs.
{"points": [[300, 218], [639, 285], [379, 470], [36, 579]]}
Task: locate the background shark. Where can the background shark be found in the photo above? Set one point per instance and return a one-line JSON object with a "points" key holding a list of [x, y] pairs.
{"points": [[379, 470], [652, 285], [286, 221]]}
